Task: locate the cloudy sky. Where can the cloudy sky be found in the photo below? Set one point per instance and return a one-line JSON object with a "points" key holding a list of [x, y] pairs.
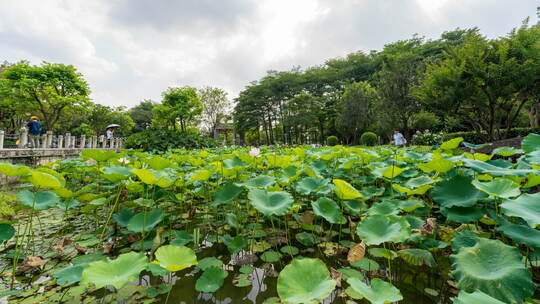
{"points": [[130, 50]]}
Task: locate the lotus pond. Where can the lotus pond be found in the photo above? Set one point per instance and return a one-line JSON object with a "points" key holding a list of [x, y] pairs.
{"points": [[279, 225]]}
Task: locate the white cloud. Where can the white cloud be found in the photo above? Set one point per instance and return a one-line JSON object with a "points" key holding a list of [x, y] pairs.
{"points": [[133, 50]]}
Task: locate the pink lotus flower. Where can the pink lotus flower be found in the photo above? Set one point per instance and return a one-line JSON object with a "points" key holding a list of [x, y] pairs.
{"points": [[255, 152]]}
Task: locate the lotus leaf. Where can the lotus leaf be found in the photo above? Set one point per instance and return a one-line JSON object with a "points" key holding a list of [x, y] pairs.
{"points": [[521, 234], [261, 181], [475, 147], [392, 171], [503, 188], [377, 229], [145, 221], [305, 281], [355, 207], [371, 191], [494, 268], [437, 165], [175, 258], [457, 191], [386, 207], [329, 210], [475, 297], [209, 262], [366, 264], [531, 143], [123, 217], [410, 205], [417, 257], [226, 194], [117, 273], [98, 155], [44, 180], [349, 273], [485, 168], [41, 200], [290, 250], [270, 203], [345, 191], [307, 239], [9, 169], [464, 239], [309, 184], [463, 214], [378, 293], [270, 256], [383, 253], [6, 232], [526, 207], [234, 244], [116, 173]]}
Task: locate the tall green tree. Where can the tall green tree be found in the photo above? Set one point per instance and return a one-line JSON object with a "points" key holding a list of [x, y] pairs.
{"points": [[216, 108], [48, 89], [356, 110], [142, 115], [179, 107]]}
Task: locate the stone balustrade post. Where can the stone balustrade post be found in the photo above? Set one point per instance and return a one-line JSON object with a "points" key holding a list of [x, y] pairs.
{"points": [[117, 143], [49, 136], [23, 140], [2, 140], [103, 141], [73, 141], [43, 141], [67, 142], [60, 141], [83, 141]]}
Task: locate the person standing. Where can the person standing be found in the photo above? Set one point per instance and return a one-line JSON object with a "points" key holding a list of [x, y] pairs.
{"points": [[110, 136], [399, 139], [34, 131]]}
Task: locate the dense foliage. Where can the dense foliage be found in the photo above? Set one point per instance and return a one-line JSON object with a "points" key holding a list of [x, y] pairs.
{"points": [[369, 139], [383, 224], [165, 140], [461, 82]]}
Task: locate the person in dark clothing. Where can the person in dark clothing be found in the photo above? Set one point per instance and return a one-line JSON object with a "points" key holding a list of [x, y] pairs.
{"points": [[34, 130]]}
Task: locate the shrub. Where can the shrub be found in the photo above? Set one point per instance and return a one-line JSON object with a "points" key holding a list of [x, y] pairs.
{"points": [[164, 140], [424, 121], [472, 137], [369, 139], [427, 138], [332, 141]]}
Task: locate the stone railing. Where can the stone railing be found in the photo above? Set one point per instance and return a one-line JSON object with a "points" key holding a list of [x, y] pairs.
{"points": [[51, 141]]}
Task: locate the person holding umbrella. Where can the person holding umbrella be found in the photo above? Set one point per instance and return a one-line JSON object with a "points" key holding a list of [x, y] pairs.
{"points": [[110, 132]]}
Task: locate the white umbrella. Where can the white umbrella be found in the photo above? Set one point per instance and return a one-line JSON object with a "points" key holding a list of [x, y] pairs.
{"points": [[113, 126]]}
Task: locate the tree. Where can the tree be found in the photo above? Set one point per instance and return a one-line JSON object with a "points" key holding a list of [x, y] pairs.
{"points": [[216, 107], [355, 110], [180, 106], [142, 115], [48, 89]]}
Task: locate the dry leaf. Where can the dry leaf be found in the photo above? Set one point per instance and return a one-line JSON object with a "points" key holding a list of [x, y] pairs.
{"points": [[81, 249], [428, 228], [63, 242], [107, 248], [357, 252], [307, 218], [336, 275], [33, 261], [133, 238]]}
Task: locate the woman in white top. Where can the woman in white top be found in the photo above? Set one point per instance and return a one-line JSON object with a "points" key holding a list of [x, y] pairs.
{"points": [[399, 139]]}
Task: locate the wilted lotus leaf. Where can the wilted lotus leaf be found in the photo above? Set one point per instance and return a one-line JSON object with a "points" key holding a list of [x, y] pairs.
{"points": [[305, 281], [357, 252], [378, 293], [117, 273], [494, 268], [175, 258], [270, 203]]}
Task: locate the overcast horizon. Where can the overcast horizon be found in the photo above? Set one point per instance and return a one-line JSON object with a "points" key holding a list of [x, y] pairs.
{"points": [[133, 50]]}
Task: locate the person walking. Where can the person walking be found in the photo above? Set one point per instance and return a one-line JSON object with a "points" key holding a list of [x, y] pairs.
{"points": [[34, 131], [399, 139]]}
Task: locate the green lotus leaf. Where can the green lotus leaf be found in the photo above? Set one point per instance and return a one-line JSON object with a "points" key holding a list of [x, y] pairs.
{"points": [[348, 273], [507, 151], [503, 188], [116, 173], [69, 275], [531, 143], [145, 221], [417, 257], [9, 169], [393, 171], [371, 191], [41, 200], [6, 232], [475, 147], [463, 214], [234, 244], [200, 175], [154, 177], [329, 210], [270, 203], [117, 273], [226, 194], [261, 181], [98, 155], [366, 264], [68, 204], [451, 144], [532, 180], [307, 239], [416, 191], [476, 297], [157, 270], [144, 202], [181, 238], [234, 162], [410, 205], [457, 191], [232, 220], [485, 168], [521, 234], [355, 207], [211, 279], [383, 253], [525, 207], [493, 268], [123, 217], [386, 207], [438, 165], [464, 239], [209, 262], [271, 256], [377, 229], [379, 292], [290, 250], [345, 191], [305, 281], [309, 184], [44, 180], [175, 258], [158, 163]]}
